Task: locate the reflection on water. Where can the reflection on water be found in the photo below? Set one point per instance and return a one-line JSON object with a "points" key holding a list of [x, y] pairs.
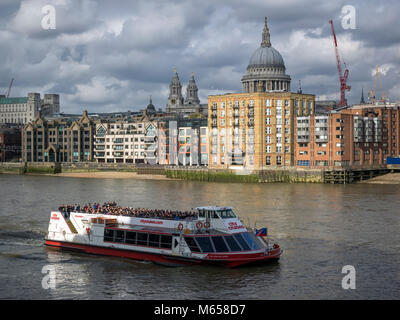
{"points": [[321, 228]]}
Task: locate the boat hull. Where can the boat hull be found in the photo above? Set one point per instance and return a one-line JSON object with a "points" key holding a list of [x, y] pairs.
{"points": [[168, 260]]}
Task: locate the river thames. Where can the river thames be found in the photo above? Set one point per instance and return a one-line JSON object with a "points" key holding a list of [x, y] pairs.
{"points": [[321, 229]]}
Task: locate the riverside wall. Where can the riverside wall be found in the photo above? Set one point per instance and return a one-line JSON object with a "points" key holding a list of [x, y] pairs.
{"points": [[272, 175]]}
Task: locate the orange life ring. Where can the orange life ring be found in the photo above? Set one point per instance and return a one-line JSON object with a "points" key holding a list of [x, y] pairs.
{"points": [[199, 225], [206, 224], [180, 227], [88, 230], [276, 246]]}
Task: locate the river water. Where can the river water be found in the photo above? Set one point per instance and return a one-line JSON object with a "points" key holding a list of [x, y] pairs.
{"points": [[321, 228]]}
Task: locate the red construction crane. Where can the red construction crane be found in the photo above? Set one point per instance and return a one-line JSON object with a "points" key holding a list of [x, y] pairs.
{"points": [[342, 78]]}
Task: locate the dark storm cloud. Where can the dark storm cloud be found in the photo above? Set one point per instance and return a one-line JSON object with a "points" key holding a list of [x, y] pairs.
{"points": [[111, 55]]}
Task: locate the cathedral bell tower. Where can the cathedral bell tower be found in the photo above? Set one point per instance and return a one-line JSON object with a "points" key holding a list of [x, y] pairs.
{"points": [[175, 98], [191, 92]]}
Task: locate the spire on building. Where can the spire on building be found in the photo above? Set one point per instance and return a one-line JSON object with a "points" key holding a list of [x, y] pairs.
{"points": [[266, 41], [150, 107], [299, 90], [362, 101]]}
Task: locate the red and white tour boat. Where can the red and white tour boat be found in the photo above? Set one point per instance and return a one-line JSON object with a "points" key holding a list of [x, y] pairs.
{"points": [[214, 235]]}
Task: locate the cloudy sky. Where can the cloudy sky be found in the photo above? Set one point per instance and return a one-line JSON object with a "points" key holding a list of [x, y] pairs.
{"points": [[109, 56]]}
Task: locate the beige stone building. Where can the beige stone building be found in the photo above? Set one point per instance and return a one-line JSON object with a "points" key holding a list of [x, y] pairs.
{"points": [[25, 109]]}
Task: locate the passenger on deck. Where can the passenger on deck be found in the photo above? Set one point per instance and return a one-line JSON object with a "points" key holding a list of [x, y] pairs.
{"points": [[112, 209]]}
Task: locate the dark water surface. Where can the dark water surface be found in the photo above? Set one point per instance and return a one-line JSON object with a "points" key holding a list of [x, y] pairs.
{"points": [[321, 228]]}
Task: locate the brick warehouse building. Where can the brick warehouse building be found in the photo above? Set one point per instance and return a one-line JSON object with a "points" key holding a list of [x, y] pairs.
{"points": [[10, 144], [59, 140]]}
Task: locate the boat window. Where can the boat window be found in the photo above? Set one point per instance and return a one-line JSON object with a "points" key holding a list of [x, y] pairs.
{"points": [[233, 245], [192, 244], [202, 213], [250, 238], [108, 235], [241, 241], [227, 214], [142, 238], [212, 214], [131, 237], [154, 240], [166, 242], [219, 244], [205, 244], [119, 236]]}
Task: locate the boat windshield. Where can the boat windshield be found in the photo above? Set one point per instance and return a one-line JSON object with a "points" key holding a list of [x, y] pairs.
{"points": [[226, 214]]}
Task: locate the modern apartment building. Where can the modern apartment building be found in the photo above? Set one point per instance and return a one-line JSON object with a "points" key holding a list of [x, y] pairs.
{"points": [[126, 140], [362, 135], [183, 141]]}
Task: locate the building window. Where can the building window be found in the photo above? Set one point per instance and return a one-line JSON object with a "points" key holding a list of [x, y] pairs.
{"points": [[303, 162]]}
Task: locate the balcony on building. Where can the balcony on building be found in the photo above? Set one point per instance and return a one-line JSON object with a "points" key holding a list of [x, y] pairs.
{"points": [[150, 155], [321, 138], [150, 148], [303, 124], [118, 154], [118, 141], [303, 139], [150, 139]]}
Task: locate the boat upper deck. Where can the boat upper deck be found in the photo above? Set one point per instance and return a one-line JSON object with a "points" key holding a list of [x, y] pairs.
{"points": [[111, 208]]}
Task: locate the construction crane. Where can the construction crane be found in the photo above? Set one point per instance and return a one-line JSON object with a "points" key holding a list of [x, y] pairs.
{"points": [[9, 88], [342, 77], [372, 92]]}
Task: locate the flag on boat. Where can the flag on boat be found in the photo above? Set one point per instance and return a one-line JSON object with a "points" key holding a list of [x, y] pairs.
{"points": [[261, 232]]}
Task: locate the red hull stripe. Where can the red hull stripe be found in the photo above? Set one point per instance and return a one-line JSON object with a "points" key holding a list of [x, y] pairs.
{"points": [[229, 261]]}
